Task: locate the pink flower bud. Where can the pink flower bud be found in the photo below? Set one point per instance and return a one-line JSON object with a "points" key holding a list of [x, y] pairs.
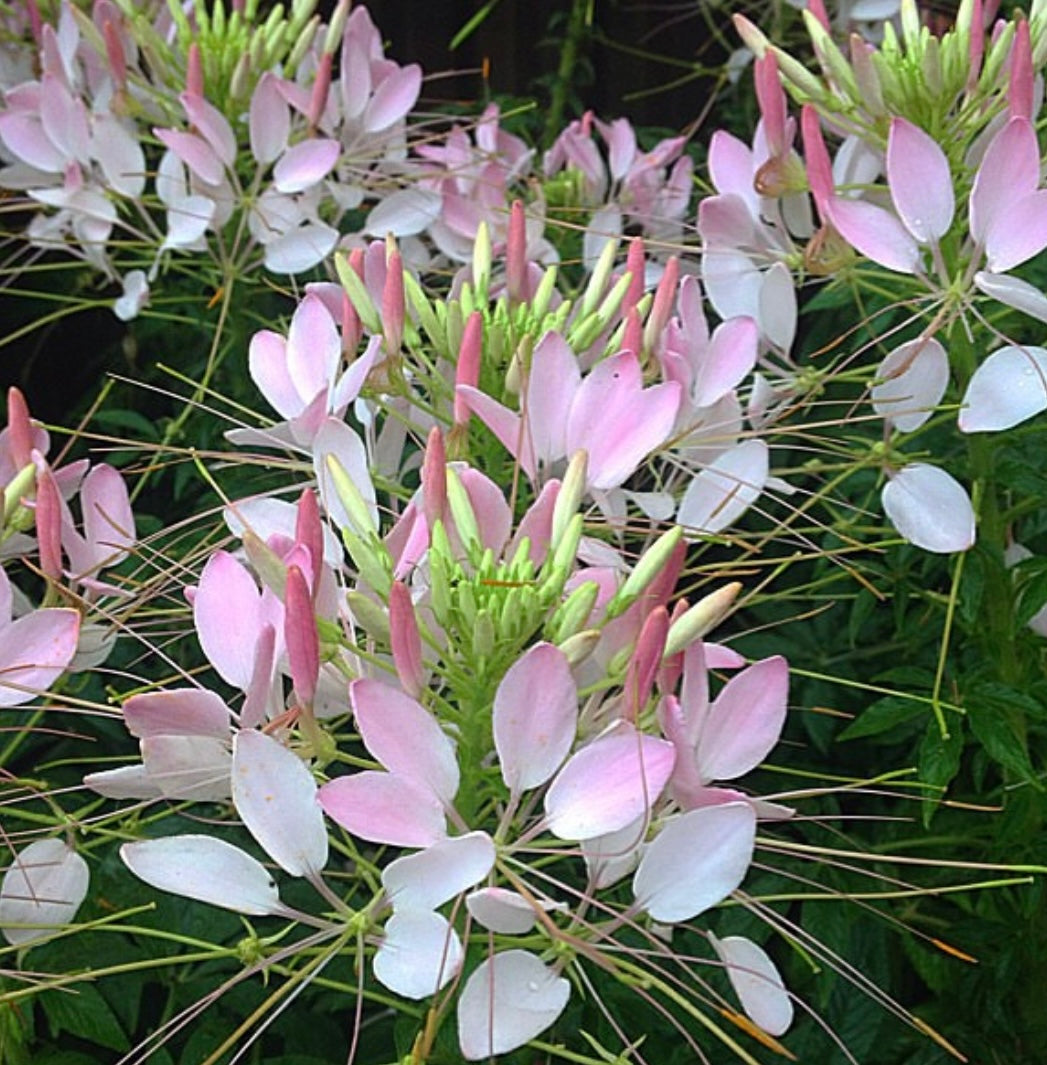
{"points": [[434, 478], [645, 662], [20, 431], [405, 639], [467, 371], [516, 253], [300, 635], [49, 525], [309, 532]]}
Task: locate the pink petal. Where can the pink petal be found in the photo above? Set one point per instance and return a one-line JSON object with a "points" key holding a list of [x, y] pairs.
{"points": [[44, 885], [745, 721], [421, 954], [920, 181], [269, 119], [551, 387], [607, 784], [508, 999], [506, 425], [178, 712], [213, 125], [929, 509], [384, 808], [756, 982], [428, 879], [730, 356], [876, 233], [1008, 388], [405, 737], [393, 98], [911, 382], [696, 861], [109, 524], [227, 612], [300, 249], [119, 154], [1017, 232], [207, 869], [1009, 170], [535, 717], [275, 795], [307, 163], [126, 782], [35, 651], [195, 152]]}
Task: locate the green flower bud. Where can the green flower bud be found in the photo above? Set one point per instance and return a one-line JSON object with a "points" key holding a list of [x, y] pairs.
{"points": [[648, 567], [371, 616], [572, 613], [358, 294], [578, 647], [701, 618]]}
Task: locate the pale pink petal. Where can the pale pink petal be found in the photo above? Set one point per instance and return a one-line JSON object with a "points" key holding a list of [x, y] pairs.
{"points": [[1009, 170], [301, 249], [1005, 390], [1017, 232], [723, 491], [608, 784], [696, 861], [876, 233], [25, 138], [428, 879], [188, 219], [535, 717], [178, 712], [929, 508], [500, 910], [726, 221], [213, 125], [745, 721], [730, 356], [554, 379], [384, 808], [195, 152], [920, 181], [911, 381], [207, 869], [420, 954], [405, 737], [508, 1000], [393, 98], [44, 885], [756, 982], [314, 348], [275, 795], [614, 855], [126, 782], [777, 307], [64, 119], [35, 651], [303, 165], [227, 612], [109, 524], [194, 768], [269, 119], [506, 425], [404, 213], [119, 154]]}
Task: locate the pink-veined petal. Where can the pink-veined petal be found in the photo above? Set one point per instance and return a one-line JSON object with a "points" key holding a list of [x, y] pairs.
{"points": [[405, 737], [44, 885], [428, 879], [756, 982], [929, 508], [696, 861], [607, 784], [207, 869], [1008, 388], [393, 98], [384, 808], [920, 181], [419, 955], [535, 717], [404, 213], [275, 795], [504, 423], [508, 1000], [730, 356]]}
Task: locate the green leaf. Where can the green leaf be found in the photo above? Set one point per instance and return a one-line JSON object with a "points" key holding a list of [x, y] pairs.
{"points": [[83, 1012], [997, 714], [939, 762], [883, 715]]}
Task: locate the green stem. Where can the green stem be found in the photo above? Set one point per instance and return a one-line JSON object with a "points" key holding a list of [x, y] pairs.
{"points": [[577, 24]]}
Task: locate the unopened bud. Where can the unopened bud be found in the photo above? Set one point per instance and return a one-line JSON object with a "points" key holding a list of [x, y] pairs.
{"points": [[648, 568], [578, 647], [701, 618]]}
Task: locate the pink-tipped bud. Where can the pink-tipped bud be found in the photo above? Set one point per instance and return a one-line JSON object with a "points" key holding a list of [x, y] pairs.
{"points": [[976, 44], [194, 72], [635, 262], [819, 167], [300, 636], [19, 429], [661, 309], [309, 532], [406, 640], [1021, 90], [114, 51], [645, 662], [49, 525], [771, 99], [672, 665], [434, 478], [632, 335], [817, 8], [664, 584], [393, 302], [516, 254], [321, 88], [36, 23], [467, 370]]}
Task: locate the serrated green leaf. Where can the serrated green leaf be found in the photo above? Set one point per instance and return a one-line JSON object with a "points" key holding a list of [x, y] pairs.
{"points": [[83, 1012]]}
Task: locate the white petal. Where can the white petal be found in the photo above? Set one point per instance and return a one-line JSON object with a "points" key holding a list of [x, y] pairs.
{"points": [[696, 861], [275, 796], [507, 1001], [206, 869], [500, 910], [929, 509], [403, 213], [723, 491], [911, 382], [756, 982], [421, 953], [44, 885], [1008, 388], [432, 877]]}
